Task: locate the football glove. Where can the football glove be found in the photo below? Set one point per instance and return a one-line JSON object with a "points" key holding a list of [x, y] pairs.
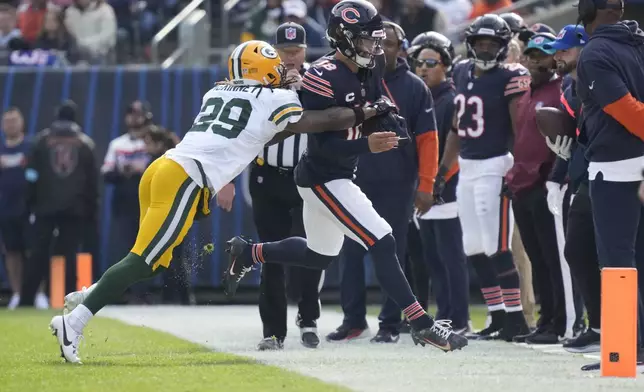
{"points": [[395, 123], [383, 106]]}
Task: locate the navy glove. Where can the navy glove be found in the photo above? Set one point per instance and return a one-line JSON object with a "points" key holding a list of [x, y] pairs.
{"points": [[383, 106]]}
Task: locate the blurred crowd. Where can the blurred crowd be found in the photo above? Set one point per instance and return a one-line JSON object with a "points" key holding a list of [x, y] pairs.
{"points": [[49, 198], [99, 32]]}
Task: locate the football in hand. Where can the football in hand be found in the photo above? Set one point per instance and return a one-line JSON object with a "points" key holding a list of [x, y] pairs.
{"points": [[553, 122]]}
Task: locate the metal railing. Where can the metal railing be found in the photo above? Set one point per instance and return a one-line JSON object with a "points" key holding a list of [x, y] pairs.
{"points": [[172, 25]]}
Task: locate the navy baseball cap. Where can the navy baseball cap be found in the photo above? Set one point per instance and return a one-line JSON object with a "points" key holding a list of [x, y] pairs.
{"points": [[539, 42], [290, 35], [569, 37]]}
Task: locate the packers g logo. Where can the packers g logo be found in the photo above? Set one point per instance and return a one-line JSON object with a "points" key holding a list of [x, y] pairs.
{"points": [[347, 17], [268, 52]]}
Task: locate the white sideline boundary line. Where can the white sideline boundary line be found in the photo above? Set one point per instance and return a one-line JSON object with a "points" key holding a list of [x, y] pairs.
{"points": [[362, 366]]}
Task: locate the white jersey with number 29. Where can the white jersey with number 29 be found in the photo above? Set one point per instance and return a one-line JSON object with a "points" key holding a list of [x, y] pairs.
{"points": [[232, 127]]}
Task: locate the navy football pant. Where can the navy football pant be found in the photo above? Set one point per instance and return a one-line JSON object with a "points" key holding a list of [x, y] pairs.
{"points": [[416, 268], [394, 203], [617, 212], [581, 254], [447, 265]]}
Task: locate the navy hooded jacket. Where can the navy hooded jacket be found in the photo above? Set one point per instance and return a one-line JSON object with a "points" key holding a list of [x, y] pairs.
{"points": [[610, 66]]}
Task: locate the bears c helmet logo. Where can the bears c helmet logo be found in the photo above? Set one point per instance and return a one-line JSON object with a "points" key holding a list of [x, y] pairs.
{"points": [[350, 15], [256, 61]]}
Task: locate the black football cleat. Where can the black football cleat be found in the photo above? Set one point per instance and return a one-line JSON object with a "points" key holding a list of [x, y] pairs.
{"points": [[439, 335], [239, 263], [491, 332], [515, 325], [385, 336]]}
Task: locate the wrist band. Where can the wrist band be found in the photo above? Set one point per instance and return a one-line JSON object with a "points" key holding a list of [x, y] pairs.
{"points": [[359, 113]]}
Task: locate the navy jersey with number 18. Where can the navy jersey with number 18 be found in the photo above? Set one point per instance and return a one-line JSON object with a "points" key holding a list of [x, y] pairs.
{"points": [[484, 123], [334, 155]]}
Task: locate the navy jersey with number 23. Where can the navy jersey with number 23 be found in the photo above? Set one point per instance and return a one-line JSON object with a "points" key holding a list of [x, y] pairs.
{"points": [[481, 104], [334, 155]]}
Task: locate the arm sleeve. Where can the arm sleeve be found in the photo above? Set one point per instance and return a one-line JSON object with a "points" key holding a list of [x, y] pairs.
{"points": [[426, 141], [559, 171]]}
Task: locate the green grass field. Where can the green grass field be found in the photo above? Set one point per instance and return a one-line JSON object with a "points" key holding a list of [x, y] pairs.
{"points": [[128, 359]]}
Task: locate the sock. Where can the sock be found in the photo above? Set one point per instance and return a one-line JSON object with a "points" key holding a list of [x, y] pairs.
{"points": [[394, 284], [509, 281], [490, 287], [116, 280], [291, 251], [79, 318]]}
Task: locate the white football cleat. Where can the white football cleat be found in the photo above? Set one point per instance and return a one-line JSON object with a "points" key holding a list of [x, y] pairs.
{"points": [[72, 300], [41, 301], [68, 339]]}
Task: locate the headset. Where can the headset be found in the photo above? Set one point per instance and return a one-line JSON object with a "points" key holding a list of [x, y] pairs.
{"points": [[587, 9], [400, 34]]}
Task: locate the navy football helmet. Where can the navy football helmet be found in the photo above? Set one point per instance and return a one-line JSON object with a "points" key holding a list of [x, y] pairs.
{"points": [[493, 27], [435, 41], [515, 21], [356, 30]]}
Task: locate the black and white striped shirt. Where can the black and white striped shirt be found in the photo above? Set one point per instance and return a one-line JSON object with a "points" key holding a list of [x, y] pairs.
{"points": [[287, 153]]}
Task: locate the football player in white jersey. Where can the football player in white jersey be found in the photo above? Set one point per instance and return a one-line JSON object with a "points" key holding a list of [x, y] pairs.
{"points": [[237, 118]]}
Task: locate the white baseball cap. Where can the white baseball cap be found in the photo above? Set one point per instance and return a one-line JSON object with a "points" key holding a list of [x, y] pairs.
{"points": [[295, 8]]}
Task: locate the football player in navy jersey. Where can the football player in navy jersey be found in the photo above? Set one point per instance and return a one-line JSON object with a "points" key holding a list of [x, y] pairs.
{"points": [[486, 95], [333, 205]]}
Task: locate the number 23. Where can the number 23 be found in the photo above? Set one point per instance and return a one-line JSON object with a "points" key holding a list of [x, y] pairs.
{"points": [[477, 116]]}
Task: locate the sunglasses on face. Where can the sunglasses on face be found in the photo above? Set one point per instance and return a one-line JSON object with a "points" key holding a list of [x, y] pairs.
{"points": [[430, 63]]}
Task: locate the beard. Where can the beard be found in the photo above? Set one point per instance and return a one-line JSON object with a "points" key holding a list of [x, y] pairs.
{"points": [[564, 68]]}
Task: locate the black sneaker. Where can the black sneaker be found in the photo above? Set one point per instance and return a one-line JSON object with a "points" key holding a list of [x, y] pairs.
{"points": [[385, 336], [239, 263], [549, 336], [522, 338], [308, 333], [514, 325], [492, 331], [270, 344], [439, 335], [587, 342], [345, 332]]}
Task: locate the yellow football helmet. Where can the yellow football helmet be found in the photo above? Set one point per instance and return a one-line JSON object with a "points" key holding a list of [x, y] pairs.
{"points": [[256, 61]]}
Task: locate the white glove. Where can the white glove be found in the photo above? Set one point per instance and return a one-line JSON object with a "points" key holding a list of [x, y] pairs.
{"points": [[555, 196], [561, 146]]}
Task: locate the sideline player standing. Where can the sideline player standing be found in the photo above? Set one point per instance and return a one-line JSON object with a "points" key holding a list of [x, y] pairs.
{"points": [[610, 84], [277, 212], [333, 205], [487, 93], [431, 54], [237, 119]]}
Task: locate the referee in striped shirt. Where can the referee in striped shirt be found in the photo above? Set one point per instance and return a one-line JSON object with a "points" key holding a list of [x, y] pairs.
{"points": [[277, 211]]}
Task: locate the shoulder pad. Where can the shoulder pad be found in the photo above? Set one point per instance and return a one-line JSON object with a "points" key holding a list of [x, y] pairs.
{"points": [[515, 69]]}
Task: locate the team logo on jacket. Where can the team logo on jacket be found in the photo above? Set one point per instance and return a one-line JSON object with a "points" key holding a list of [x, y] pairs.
{"points": [[350, 15], [63, 158], [291, 33]]}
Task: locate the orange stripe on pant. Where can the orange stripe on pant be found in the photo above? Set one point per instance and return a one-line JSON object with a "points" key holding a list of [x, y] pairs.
{"points": [[338, 213], [504, 223]]}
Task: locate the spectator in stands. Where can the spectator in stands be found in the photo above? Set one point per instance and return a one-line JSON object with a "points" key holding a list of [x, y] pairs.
{"points": [[296, 11], [62, 195], [31, 16], [54, 36], [93, 24], [418, 17], [8, 30], [482, 7], [13, 206], [125, 161], [320, 11], [455, 11], [263, 22]]}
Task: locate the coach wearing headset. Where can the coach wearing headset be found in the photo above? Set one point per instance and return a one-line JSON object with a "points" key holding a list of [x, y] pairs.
{"points": [[390, 181]]}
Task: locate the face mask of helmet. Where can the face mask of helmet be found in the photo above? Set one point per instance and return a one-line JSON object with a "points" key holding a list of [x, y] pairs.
{"points": [[485, 51], [366, 50]]}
